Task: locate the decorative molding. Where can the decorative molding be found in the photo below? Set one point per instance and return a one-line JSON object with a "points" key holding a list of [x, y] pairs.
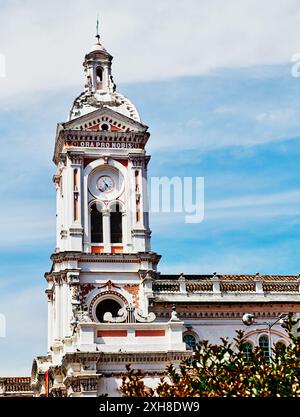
{"points": [[63, 234], [49, 293], [109, 284], [124, 357], [103, 294], [105, 257], [140, 317], [129, 314], [120, 318], [84, 290], [75, 158], [185, 315], [76, 231]]}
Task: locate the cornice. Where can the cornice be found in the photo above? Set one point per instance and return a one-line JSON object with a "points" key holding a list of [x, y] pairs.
{"points": [[105, 257], [124, 358]]}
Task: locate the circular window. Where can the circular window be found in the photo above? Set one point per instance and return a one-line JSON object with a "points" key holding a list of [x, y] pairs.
{"points": [[105, 126], [107, 306], [190, 341]]}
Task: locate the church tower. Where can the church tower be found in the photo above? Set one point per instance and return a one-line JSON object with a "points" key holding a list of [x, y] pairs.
{"points": [[100, 282]]}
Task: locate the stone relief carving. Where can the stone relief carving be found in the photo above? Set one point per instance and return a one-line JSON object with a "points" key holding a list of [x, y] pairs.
{"points": [[121, 316], [138, 314], [129, 314]]}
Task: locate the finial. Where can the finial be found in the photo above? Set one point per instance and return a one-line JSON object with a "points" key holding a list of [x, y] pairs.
{"points": [[174, 316], [97, 31]]}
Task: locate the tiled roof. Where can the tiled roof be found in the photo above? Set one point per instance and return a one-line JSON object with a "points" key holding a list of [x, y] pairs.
{"points": [[285, 278], [191, 277], [233, 277]]}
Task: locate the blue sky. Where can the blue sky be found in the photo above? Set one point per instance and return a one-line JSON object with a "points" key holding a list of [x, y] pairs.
{"points": [[234, 122]]}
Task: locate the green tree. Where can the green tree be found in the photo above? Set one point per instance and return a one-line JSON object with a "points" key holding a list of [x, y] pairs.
{"points": [[225, 371]]}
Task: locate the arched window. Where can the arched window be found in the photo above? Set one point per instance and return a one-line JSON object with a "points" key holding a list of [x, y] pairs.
{"points": [[280, 346], [190, 341], [99, 75], [116, 232], [264, 344], [247, 349], [96, 225], [107, 306]]}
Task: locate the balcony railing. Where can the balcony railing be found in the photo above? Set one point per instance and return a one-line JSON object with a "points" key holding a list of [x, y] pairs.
{"points": [[213, 286]]}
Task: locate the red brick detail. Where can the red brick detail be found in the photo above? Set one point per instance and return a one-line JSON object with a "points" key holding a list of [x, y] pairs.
{"points": [[112, 333], [97, 249], [124, 162], [133, 289], [85, 289], [87, 161], [144, 333], [115, 128], [94, 128], [117, 249]]}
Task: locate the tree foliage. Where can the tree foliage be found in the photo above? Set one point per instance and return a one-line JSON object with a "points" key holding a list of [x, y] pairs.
{"points": [[224, 371]]}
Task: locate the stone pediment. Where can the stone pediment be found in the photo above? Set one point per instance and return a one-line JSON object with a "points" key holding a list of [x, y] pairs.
{"points": [[102, 127], [104, 119]]}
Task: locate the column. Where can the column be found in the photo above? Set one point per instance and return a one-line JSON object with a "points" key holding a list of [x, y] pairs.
{"points": [[106, 231], [56, 312], [64, 306], [50, 318], [124, 232]]}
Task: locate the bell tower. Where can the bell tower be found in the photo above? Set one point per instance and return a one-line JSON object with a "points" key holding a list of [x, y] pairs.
{"points": [[101, 180], [100, 283], [97, 67]]}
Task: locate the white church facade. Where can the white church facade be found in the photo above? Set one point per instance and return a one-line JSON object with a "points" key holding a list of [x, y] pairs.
{"points": [[108, 304]]}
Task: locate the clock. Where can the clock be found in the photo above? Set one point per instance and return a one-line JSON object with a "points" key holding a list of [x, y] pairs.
{"points": [[105, 184]]}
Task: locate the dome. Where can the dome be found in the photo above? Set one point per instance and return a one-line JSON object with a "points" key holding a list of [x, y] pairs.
{"points": [[100, 88], [89, 101], [97, 47]]}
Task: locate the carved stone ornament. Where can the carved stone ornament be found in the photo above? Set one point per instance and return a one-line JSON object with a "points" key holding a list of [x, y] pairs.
{"points": [[74, 279], [83, 316], [121, 316], [174, 316], [129, 314], [138, 314], [80, 314]]}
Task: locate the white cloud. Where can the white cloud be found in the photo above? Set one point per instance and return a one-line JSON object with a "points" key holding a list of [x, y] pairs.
{"points": [[238, 132], [281, 115], [230, 213], [44, 42]]}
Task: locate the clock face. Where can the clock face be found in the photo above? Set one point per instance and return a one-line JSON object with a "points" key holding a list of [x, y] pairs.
{"points": [[105, 184]]}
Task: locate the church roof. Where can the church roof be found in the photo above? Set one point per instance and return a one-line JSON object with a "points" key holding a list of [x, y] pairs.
{"points": [[88, 102], [232, 277]]}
